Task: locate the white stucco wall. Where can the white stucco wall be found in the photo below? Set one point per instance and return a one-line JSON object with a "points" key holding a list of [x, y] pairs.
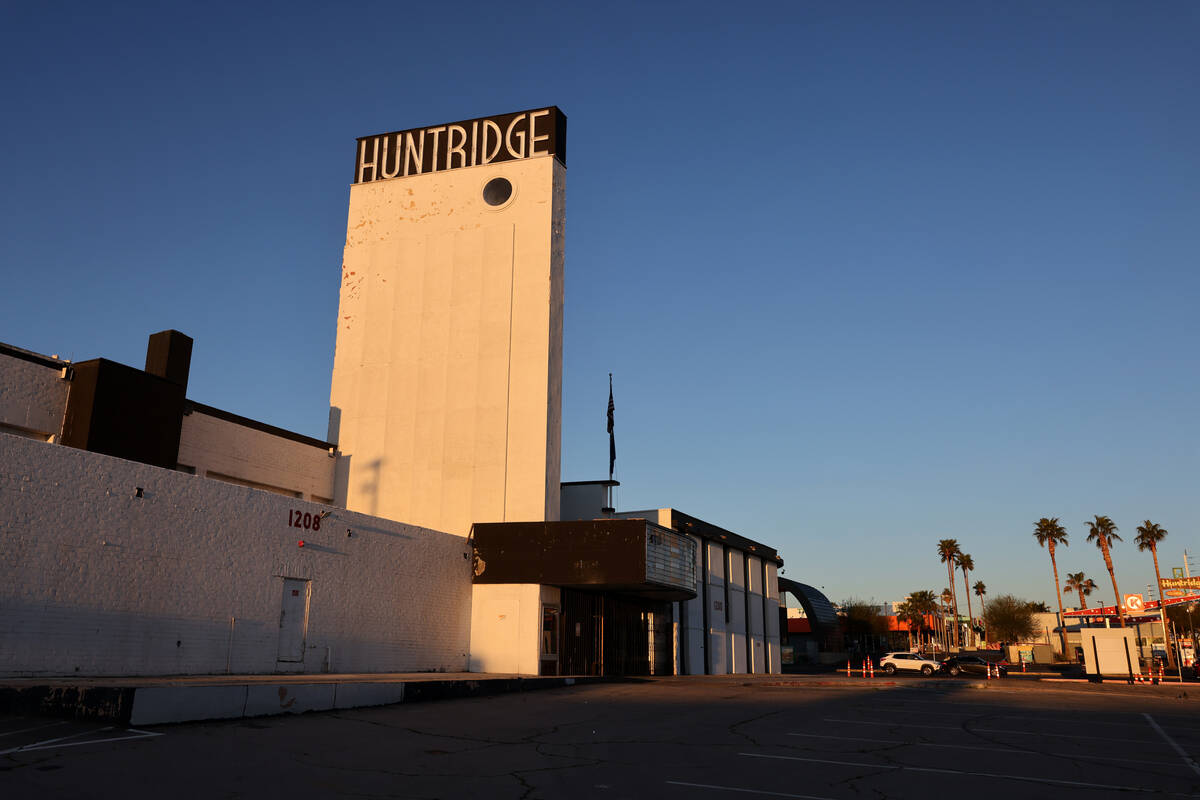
{"points": [[506, 621], [718, 642], [736, 627], [774, 664], [97, 581], [754, 614], [447, 372], [213, 445], [33, 397]]}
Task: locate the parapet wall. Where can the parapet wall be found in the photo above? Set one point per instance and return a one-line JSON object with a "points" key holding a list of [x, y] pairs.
{"points": [[188, 577]]}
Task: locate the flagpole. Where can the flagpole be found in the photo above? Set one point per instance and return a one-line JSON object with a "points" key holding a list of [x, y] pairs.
{"points": [[612, 448], [612, 438]]}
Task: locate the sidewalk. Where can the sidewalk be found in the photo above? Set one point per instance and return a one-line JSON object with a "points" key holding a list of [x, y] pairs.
{"points": [[190, 698]]}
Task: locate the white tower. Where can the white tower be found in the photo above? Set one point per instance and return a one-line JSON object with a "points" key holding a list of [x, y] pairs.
{"points": [[447, 375]]}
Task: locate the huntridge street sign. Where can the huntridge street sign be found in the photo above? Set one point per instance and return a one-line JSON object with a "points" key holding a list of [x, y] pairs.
{"points": [[1181, 583]]}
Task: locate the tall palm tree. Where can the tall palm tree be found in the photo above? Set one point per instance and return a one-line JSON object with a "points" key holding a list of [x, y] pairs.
{"points": [[949, 552], [1149, 535], [966, 564], [980, 590], [1103, 532], [1050, 534]]}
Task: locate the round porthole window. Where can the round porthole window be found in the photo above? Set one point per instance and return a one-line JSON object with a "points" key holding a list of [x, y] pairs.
{"points": [[497, 191]]}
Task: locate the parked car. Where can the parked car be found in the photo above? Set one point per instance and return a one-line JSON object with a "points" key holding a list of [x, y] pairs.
{"points": [[892, 663], [971, 665]]}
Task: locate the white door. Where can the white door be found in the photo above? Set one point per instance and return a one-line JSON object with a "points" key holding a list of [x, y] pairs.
{"points": [[293, 620]]}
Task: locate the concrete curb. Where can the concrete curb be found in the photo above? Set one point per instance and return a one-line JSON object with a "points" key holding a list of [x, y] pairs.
{"points": [[157, 705]]}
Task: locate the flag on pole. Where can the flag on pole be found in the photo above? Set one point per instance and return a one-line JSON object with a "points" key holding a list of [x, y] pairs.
{"points": [[612, 439]]}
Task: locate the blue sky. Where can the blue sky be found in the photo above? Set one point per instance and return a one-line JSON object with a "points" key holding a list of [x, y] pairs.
{"points": [[867, 275]]}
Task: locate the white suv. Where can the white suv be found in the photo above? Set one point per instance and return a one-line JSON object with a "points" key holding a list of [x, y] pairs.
{"points": [[908, 662]]}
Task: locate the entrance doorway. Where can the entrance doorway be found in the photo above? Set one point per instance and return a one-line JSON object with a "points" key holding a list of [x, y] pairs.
{"points": [[607, 634], [293, 619], [551, 631]]}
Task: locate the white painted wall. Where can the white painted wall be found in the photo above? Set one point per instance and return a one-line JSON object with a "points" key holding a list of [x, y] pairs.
{"points": [[718, 642], [33, 398], [774, 662], [754, 614], [506, 624], [97, 581], [447, 374], [213, 445], [735, 575]]}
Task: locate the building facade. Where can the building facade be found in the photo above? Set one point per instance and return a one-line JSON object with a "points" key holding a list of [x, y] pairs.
{"points": [[145, 533]]}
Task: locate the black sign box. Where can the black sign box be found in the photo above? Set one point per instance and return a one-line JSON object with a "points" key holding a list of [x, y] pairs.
{"points": [[470, 143]]}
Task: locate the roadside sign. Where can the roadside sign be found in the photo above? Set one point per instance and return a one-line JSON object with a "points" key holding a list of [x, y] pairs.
{"points": [[1134, 603], [1149, 607], [1181, 583]]}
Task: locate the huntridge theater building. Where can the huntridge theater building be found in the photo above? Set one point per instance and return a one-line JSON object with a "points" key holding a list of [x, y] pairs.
{"points": [[144, 533]]}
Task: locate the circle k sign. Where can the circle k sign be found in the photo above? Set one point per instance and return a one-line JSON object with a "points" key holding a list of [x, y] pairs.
{"points": [[1134, 602]]}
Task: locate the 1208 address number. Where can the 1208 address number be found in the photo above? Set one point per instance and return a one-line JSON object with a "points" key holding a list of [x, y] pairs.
{"points": [[305, 520]]}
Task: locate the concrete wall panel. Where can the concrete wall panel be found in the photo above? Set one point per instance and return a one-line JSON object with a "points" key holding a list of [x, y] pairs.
{"points": [[209, 444], [33, 397], [505, 624], [448, 365]]}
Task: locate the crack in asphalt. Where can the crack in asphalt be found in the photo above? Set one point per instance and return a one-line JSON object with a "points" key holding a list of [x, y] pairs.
{"points": [[733, 728]]}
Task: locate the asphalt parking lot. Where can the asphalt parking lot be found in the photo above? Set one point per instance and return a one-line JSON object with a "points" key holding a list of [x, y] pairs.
{"points": [[675, 738]]}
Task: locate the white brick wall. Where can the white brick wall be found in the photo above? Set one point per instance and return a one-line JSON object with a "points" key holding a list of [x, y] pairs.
{"points": [[96, 581], [32, 397], [209, 444]]}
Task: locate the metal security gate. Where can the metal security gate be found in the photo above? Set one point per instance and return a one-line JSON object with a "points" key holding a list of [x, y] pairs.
{"points": [[606, 634]]}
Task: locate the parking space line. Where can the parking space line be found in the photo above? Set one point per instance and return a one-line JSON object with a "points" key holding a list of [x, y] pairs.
{"points": [[982, 730], [1076, 721], [1025, 778], [952, 703], [34, 728], [140, 735], [985, 749], [1186, 758], [745, 791], [40, 745], [51, 744]]}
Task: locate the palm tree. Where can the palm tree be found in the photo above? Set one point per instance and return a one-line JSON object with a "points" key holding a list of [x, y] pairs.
{"points": [[1103, 532], [966, 564], [949, 552], [923, 602], [1149, 535], [904, 612], [1050, 534], [1081, 585], [980, 590]]}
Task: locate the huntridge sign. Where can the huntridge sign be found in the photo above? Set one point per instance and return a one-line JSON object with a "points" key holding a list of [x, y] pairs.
{"points": [[470, 143], [1147, 607], [1181, 583]]}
